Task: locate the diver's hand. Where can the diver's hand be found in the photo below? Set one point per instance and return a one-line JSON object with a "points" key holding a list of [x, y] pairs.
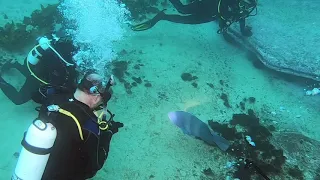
{"points": [[114, 126], [246, 31]]}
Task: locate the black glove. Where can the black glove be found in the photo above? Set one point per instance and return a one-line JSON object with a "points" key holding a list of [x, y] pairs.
{"points": [[114, 126]]}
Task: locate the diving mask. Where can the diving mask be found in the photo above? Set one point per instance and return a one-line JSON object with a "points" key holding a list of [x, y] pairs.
{"points": [[103, 89], [98, 87]]}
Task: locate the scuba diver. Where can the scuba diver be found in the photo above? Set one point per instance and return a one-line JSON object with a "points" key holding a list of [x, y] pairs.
{"points": [[69, 141], [203, 11], [48, 69]]}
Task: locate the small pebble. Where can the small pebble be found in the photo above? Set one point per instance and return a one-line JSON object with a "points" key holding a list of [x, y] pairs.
{"points": [[298, 116], [148, 84], [16, 154], [183, 174], [229, 165], [282, 108]]}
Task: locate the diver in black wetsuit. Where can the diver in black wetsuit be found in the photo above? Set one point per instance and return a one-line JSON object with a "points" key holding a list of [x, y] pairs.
{"points": [[197, 12], [80, 136], [48, 69]]}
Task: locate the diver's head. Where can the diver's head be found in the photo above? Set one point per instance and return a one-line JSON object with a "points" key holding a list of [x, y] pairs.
{"points": [[93, 91]]}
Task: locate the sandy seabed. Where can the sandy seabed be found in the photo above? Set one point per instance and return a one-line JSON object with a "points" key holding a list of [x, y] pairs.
{"points": [[150, 146]]}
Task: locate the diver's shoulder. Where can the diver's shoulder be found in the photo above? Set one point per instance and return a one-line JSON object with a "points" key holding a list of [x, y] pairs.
{"points": [[76, 106]]}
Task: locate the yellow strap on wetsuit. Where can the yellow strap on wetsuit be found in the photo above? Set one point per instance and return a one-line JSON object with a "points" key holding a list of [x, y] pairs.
{"points": [[67, 113]]}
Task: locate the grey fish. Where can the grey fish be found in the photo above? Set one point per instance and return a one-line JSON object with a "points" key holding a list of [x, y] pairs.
{"points": [[193, 126]]}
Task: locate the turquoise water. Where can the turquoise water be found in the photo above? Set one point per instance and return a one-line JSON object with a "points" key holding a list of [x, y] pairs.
{"points": [[168, 68]]}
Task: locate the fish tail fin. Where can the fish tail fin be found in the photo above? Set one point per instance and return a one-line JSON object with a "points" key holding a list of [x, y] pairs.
{"points": [[221, 142]]}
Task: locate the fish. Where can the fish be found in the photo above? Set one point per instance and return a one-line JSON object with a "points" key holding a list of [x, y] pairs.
{"points": [[192, 126]]}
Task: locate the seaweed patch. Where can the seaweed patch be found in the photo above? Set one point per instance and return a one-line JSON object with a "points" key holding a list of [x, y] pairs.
{"points": [[255, 155]]}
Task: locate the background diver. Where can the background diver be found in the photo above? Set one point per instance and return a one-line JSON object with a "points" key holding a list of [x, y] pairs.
{"points": [[48, 69], [203, 11]]}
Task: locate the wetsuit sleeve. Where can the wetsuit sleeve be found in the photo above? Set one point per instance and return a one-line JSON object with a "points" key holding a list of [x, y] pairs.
{"points": [[97, 149], [104, 145]]}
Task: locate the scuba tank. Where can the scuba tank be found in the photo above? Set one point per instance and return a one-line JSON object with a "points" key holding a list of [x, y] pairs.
{"points": [[36, 147], [37, 51]]}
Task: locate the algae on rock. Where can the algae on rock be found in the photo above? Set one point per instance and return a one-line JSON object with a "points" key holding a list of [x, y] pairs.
{"points": [[17, 36]]}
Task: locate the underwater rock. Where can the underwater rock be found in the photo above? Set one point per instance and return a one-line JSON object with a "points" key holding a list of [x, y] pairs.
{"points": [[300, 149], [119, 69], [137, 66], [252, 100], [264, 155], [148, 84], [163, 96], [194, 84], [242, 105], [128, 87], [225, 99], [188, 77], [222, 83], [296, 173], [151, 176], [208, 172], [134, 84], [16, 36], [137, 79], [210, 85], [290, 42]]}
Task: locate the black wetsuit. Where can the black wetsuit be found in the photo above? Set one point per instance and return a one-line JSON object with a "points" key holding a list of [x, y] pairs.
{"points": [[72, 158], [198, 12], [204, 11], [50, 69]]}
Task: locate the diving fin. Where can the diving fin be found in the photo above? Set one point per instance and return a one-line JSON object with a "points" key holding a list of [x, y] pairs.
{"points": [[150, 23]]}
